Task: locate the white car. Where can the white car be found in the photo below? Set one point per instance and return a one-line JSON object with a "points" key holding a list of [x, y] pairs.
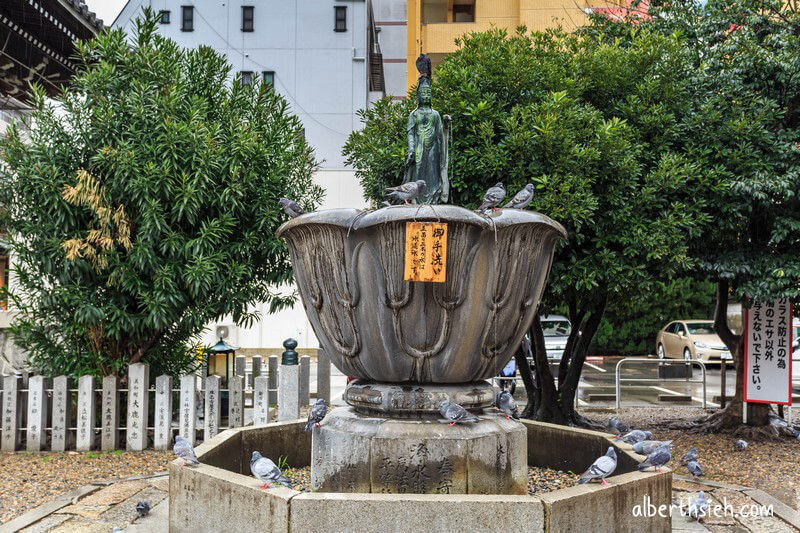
{"points": [[556, 332]]}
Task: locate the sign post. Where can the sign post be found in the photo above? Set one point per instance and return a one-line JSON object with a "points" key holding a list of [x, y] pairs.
{"points": [[767, 353]]}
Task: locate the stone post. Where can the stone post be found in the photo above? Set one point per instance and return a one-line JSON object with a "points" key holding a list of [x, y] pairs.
{"points": [[186, 426], [163, 415], [212, 410], [62, 400], [37, 414], [273, 380], [11, 413], [85, 434], [288, 391], [305, 378], [109, 432], [324, 376], [236, 401], [255, 370], [261, 401], [138, 385], [239, 365]]}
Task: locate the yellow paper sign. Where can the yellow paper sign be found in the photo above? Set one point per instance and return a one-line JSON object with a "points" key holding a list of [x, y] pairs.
{"points": [[426, 251]]}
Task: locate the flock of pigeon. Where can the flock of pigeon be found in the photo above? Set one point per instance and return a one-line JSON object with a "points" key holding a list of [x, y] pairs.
{"points": [[409, 191]]}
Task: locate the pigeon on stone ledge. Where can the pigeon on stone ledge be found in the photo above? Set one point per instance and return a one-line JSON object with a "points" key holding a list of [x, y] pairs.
{"points": [[316, 414], [493, 196], [505, 402], [522, 198], [407, 191], [634, 436], [291, 208], [646, 447], [456, 414], [602, 467], [266, 471], [617, 426], [184, 451], [657, 459]]}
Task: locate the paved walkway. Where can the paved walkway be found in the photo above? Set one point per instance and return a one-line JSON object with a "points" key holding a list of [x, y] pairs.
{"points": [[102, 508]]}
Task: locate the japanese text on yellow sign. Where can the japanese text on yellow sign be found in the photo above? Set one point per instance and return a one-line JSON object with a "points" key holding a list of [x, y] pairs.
{"points": [[426, 251]]}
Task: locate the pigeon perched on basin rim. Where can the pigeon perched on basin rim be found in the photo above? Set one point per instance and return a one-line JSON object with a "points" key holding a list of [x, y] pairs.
{"points": [[456, 414], [264, 470], [602, 467], [316, 414], [407, 191], [522, 198], [493, 196], [184, 451], [291, 208]]}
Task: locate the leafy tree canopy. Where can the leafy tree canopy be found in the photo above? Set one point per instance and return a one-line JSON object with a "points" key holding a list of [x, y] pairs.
{"points": [[143, 204]]}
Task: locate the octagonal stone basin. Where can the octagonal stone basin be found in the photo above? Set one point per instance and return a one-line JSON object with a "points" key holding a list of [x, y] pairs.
{"points": [[221, 495], [349, 267]]}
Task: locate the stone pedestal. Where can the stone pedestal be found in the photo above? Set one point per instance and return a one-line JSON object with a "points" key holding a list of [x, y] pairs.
{"points": [[356, 452]]}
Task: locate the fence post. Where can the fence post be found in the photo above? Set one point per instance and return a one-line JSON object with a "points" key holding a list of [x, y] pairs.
{"points": [[261, 401], [236, 401], [163, 415], [305, 378], [37, 414], [11, 417], [187, 428], [109, 432], [212, 411], [86, 413], [723, 375], [62, 400], [138, 406], [288, 390], [324, 376], [273, 379]]}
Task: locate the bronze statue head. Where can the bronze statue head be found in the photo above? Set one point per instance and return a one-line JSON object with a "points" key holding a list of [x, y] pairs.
{"points": [[424, 92]]}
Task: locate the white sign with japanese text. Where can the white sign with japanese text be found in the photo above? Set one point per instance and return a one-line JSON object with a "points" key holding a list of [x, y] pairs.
{"points": [[767, 352]]}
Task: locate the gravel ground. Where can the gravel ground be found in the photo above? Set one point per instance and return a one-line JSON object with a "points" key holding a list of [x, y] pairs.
{"points": [[28, 480], [770, 465], [539, 479]]}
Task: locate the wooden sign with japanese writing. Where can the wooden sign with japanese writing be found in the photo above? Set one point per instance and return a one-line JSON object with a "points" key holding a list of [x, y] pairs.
{"points": [[426, 252], [767, 352]]}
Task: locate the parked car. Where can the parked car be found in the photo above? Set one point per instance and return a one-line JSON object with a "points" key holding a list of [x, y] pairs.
{"points": [[691, 339], [556, 331]]}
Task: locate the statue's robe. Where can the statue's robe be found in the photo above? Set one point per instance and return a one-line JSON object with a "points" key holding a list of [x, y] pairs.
{"points": [[426, 135]]}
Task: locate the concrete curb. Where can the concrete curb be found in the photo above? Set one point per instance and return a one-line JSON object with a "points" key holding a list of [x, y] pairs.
{"points": [[46, 509]]}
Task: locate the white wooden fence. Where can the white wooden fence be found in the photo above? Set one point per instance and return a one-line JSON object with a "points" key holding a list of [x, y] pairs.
{"points": [[89, 417]]}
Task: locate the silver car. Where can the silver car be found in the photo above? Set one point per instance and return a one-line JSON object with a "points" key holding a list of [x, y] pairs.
{"points": [[556, 332]]}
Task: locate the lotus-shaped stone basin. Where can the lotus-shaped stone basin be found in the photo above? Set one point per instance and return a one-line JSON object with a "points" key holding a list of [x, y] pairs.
{"points": [[349, 267]]}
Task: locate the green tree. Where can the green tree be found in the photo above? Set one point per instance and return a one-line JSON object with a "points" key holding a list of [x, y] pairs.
{"points": [[592, 125], [143, 204], [745, 132]]}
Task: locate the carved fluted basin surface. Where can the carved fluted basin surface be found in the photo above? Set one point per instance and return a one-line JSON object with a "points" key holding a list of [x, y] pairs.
{"points": [[349, 267]]}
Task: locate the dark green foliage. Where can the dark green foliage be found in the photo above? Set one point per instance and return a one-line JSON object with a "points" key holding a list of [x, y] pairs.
{"points": [[146, 206]]}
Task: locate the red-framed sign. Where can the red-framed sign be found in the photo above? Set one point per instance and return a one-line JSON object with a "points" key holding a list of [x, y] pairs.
{"points": [[768, 352]]}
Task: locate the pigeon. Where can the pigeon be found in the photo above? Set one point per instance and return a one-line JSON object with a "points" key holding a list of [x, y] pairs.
{"points": [[657, 459], [143, 509], [695, 469], [601, 468], [617, 426], [407, 191], [184, 451], [646, 447], [522, 198], [424, 66], [316, 414], [291, 208], [493, 196], [456, 414], [266, 471], [505, 402], [740, 445], [634, 436], [691, 455], [698, 507]]}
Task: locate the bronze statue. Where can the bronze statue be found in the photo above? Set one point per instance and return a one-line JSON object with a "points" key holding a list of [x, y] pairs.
{"points": [[427, 142]]}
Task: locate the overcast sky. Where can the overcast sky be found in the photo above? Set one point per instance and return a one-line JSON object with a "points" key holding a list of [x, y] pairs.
{"points": [[106, 9]]}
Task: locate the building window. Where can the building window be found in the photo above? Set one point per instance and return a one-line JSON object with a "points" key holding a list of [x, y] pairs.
{"points": [[163, 16], [187, 19], [247, 77], [247, 18], [340, 18], [463, 12], [269, 78]]}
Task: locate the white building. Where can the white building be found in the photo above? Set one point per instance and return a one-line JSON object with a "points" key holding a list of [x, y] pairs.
{"points": [[326, 58]]}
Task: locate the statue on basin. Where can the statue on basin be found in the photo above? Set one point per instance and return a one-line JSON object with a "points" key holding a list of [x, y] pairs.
{"points": [[427, 133]]}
